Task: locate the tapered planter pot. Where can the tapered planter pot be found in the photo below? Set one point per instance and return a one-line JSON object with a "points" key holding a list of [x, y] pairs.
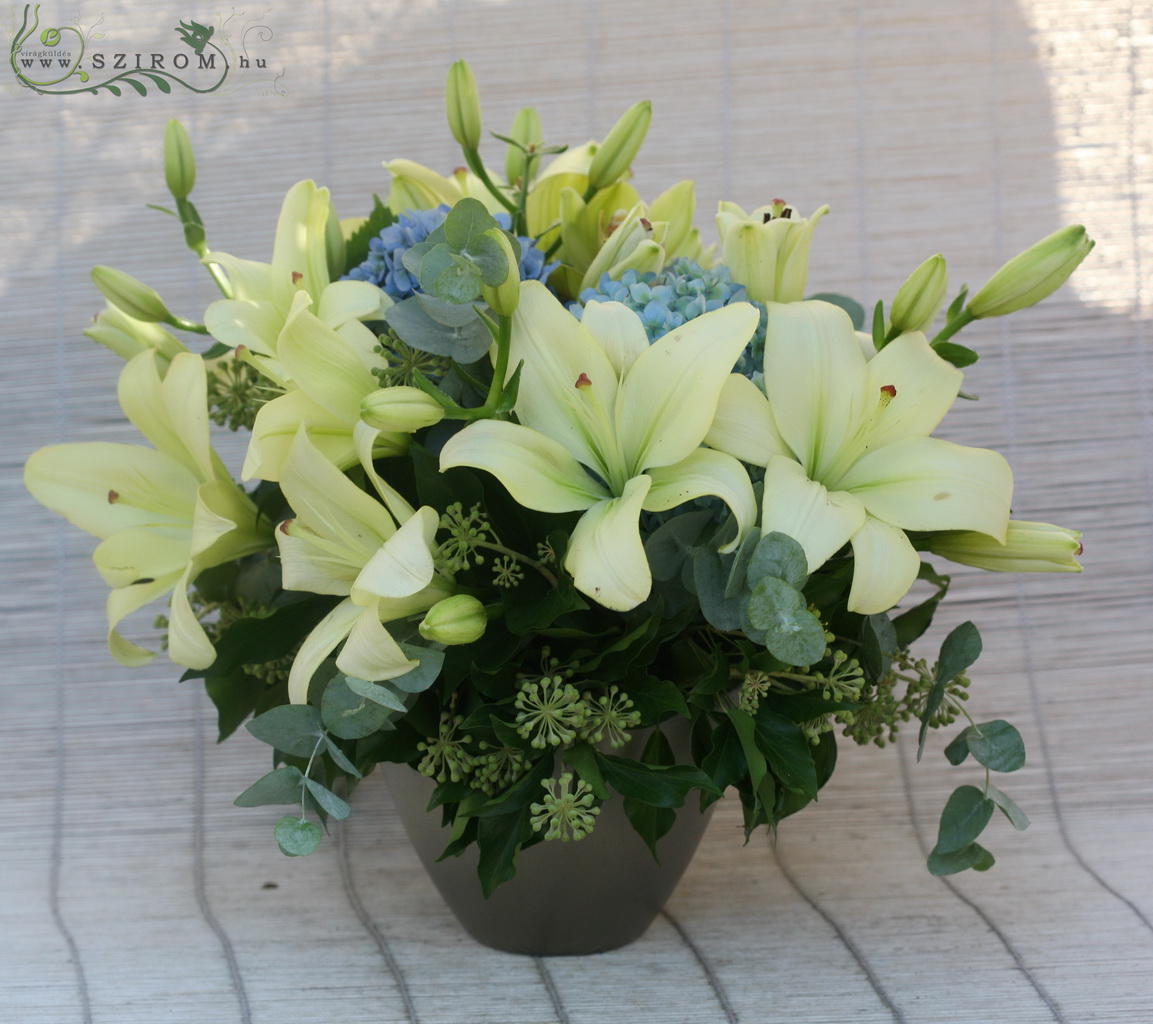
{"points": [[568, 898]]}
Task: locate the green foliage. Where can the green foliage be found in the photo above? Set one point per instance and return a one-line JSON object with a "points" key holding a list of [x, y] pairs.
{"points": [[961, 648], [356, 246], [297, 837]]}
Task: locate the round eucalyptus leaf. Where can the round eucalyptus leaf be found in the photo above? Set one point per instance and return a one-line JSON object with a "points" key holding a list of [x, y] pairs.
{"points": [[792, 632], [297, 837]]}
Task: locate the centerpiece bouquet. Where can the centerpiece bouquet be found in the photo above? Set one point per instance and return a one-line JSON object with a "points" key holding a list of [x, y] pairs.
{"points": [[553, 503]]}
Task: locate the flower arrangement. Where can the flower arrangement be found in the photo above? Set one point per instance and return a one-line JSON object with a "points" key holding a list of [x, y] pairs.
{"points": [[532, 472]]}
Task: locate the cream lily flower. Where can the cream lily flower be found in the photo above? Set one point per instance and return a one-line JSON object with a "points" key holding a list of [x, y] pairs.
{"points": [[416, 187], [610, 425], [330, 383], [163, 514], [266, 294], [767, 250], [847, 453], [345, 542]]}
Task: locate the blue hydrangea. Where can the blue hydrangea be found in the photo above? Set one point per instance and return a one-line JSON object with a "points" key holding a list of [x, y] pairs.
{"points": [[675, 295], [384, 266]]}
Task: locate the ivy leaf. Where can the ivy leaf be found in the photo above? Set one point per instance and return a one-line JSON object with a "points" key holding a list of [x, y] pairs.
{"points": [[582, 760], [788, 750], [291, 728], [651, 823], [1017, 817], [328, 800], [356, 248], [277, 787], [745, 728], [997, 745], [878, 645], [498, 839], [964, 818], [659, 786], [961, 648], [297, 837]]}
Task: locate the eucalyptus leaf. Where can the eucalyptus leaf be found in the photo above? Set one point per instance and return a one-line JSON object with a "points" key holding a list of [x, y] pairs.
{"points": [[961, 648], [851, 306], [327, 799], [281, 786], [736, 582], [381, 695], [958, 749], [291, 728], [710, 578], [973, 856], [792, 632], [467, 222], [340, 759], [965, 816], [297, 837], [777, 554], [997, 745], [669, 545], [351, 714], [419, 679], [1017, 817], [449, 276]]}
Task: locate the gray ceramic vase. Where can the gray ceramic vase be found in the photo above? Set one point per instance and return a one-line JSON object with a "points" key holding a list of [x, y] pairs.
{"points": [[568, 898]]}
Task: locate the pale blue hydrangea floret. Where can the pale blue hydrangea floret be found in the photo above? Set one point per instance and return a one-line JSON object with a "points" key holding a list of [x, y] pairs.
{"points": [[679, 293], [384, 266]]}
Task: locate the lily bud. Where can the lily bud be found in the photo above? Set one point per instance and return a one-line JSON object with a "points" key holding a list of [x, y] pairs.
{"points": [[621, 146], [630, 246], [127, 337], [503, 298], [179, 164], [1033, 275], [527, 131], [462, 103], [1028, 547], [919, 299], [130, 295], [400, 409], [459, 619]]}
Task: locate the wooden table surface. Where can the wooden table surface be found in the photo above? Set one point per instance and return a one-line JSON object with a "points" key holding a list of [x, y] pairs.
{"points": [[131, 890]]}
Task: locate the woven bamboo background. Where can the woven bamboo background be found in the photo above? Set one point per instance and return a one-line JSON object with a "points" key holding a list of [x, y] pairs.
{"points": [[132, 891]]}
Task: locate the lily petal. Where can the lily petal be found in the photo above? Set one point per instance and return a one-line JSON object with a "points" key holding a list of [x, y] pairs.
{"points": [[404, 564], [318, 645], [103, 487], [705, 472], [371, 652], [618, 330], [557, 350], [188, 644], [141, 553], [606, 557], [122, 603], [279, 421], [925, 483], [816, 380], [885, 566], [744, 426], [819, 520], [925, 384], [537, 471], [342, 301], [668, 399], [323, 365]]}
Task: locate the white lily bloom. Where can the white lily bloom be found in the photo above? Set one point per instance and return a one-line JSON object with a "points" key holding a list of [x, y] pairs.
{"points": [[345, 542], [163, 514], [330, 383], [846, 451], [266, 294], [610, 425]]}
